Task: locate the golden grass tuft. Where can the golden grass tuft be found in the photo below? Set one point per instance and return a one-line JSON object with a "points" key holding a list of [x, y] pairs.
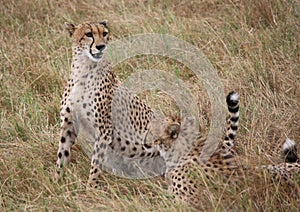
{"points": [[253, 45]]}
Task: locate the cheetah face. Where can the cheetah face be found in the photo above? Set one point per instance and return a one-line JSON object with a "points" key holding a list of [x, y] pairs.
{"points": [[167, 140], [163, 133], [173, 136], [89, 38]]}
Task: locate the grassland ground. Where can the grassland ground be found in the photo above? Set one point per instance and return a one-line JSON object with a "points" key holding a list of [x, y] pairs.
{"points": [[253, 45]]}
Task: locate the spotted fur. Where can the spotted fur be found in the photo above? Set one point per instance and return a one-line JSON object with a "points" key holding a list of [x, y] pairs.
{"points": [[183, 157], [98, 109], [289, 170], [186, 173]]}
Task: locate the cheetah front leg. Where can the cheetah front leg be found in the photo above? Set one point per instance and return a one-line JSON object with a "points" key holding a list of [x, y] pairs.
{"points": [[98, 159], [67, 139]]}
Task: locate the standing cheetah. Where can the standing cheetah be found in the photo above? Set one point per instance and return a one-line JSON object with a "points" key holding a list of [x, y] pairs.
{"points": [[96, 105]]}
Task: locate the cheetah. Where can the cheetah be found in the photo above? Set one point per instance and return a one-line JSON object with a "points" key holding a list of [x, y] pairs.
{"points": [[183, 170], [96, 106], [289, 170]]}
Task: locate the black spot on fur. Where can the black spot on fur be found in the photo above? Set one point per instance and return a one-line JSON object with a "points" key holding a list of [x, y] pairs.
{"points": [[234, 119], [147, 146], [233, 110], [290, 156], [234, 128], [229, 156], [63, 139], [231, 136], [66, 153]]}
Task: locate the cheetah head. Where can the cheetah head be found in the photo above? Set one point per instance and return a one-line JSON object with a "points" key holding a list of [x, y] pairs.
{"points": [[172, 136], [162, 133], [89, 38]]}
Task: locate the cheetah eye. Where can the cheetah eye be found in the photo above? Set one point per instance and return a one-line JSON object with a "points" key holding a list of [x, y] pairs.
{"points": [[105, 33], [89, 34]]}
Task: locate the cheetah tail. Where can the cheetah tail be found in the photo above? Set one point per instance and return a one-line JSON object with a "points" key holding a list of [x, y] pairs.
{"points": [[232, 101], [289, 151]]}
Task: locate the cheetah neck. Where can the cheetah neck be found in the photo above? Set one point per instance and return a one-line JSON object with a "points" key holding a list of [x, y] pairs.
{"points": [[82, 66]]}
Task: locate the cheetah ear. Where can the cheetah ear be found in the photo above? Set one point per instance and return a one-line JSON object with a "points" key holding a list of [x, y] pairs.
{"points": [[104, 23], [70, 28], [173, 130]]}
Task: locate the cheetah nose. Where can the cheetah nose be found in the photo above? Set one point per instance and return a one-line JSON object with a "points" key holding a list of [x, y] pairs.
{"points": [[100, 47]]}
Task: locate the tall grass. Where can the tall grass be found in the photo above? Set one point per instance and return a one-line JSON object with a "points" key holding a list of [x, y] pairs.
{"points": [[253, 45]]}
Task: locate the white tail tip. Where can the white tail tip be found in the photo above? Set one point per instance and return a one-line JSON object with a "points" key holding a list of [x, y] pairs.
{"points": [[288, 144], [234, 97]]}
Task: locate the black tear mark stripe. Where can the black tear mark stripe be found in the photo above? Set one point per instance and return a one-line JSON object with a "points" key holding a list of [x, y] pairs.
{"points": [[92, 45], [91, 28]]}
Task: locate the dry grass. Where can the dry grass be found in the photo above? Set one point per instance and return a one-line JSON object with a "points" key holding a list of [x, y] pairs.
{"points": [[254, 46]]}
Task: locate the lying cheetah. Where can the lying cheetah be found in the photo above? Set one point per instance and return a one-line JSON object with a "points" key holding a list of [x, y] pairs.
{"points": [[182, 172], [95, 105], [185, 173], [289, 171]]}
